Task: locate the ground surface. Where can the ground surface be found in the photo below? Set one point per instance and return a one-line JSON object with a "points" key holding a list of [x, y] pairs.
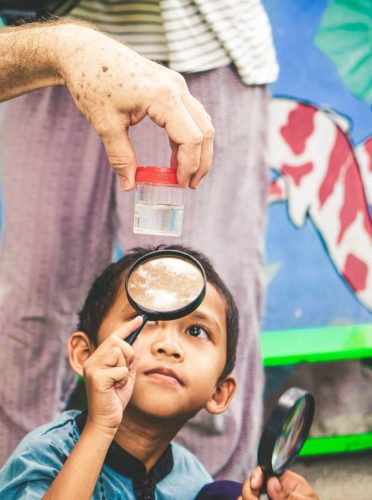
{"points": [[347, 477]]}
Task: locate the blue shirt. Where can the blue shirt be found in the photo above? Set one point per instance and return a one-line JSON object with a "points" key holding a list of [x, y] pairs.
{"points": [[39, 457]]}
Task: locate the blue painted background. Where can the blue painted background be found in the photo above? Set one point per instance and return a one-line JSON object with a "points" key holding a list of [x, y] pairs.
{"points": [[306, 290]]}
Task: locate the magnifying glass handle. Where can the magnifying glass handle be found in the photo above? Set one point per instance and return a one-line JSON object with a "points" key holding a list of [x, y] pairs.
{"points": [[132, 337], [264, 485]]}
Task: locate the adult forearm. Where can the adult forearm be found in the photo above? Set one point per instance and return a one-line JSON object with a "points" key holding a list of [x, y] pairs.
{"points": [[29, 58], [78, 476]]}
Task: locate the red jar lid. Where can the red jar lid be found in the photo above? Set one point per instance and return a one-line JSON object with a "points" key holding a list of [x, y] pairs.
{"points": [[156, 175]]}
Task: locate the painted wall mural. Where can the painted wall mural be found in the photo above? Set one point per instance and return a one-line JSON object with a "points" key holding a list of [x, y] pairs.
{"points": [[319, 231], [319, 234], [319, 176]]}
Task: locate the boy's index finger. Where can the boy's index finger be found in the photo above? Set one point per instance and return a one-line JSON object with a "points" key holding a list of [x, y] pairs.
{"points": [[125, 330]]}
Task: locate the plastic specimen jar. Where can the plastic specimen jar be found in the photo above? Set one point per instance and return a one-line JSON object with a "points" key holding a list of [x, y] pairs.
{"points": [[159, 202]]}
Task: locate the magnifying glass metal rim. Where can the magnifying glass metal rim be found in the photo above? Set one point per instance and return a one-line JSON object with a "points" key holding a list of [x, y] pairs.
{"points": [[275, 423], [176, 313]]}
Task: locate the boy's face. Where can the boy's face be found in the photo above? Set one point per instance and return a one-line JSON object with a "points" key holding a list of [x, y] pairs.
{"points": [[181, 360]]}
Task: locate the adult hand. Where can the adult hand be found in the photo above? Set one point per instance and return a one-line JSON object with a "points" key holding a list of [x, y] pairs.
{"points": [[288, 486], [115, 88], [109, 375]]}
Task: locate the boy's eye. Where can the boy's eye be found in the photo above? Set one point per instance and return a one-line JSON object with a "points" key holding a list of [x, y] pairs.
{"points": [[197, 331]]}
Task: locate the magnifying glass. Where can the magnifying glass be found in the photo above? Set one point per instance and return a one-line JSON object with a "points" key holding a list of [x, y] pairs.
{"points": [[164, 285], [285, 432]]}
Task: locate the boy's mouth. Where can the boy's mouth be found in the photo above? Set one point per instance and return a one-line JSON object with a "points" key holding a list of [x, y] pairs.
{"points": [[166, 374]]}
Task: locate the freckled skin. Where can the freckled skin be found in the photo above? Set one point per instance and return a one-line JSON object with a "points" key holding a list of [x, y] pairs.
{"points": [[130, 88], [77, 97]]}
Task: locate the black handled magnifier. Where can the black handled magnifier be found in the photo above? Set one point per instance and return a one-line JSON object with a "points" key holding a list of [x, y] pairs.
{"points": [[285, 432], [164, 285]]}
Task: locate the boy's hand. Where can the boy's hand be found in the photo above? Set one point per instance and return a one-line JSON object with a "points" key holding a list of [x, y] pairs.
{"points": [[288, 486], [110, 374]]}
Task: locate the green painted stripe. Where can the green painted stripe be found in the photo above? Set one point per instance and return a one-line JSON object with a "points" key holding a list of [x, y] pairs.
{"points": [[311, 345], [327, 445]]}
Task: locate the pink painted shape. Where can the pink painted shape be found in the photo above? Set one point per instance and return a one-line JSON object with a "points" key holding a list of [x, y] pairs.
{"points": [[297, 173], [299, 127], [354, 202], [355, 272], [275, 189], [368, 149], [340, 153], [343, 167]]}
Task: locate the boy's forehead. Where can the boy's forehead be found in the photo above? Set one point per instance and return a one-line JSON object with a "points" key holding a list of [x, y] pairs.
{"points": [[213, 305]]}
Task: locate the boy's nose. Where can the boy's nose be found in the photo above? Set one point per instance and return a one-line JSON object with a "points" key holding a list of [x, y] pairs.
{"points": [[167, 346]]}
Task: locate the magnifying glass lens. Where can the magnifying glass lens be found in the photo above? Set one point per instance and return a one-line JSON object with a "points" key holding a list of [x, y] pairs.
{"points": [[287, 440], [166, 283], [285, 431]]}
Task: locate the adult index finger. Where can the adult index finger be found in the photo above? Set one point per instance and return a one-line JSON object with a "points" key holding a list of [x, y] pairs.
{"points": [[204, 122], [120, 152], [183, 131]]}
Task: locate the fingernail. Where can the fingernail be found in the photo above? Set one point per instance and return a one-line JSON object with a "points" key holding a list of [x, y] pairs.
{"points": [[124, 183], [277, 485], [254, 480], [193, 185]]}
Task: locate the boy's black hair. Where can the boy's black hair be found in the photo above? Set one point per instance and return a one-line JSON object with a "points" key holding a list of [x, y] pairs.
{"points": [[106, 287]]}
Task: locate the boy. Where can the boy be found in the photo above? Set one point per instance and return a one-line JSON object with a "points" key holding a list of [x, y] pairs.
{"points": [[138, 398]]}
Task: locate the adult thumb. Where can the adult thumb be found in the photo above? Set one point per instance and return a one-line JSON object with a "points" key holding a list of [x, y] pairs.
{"points": [[121, 156]]}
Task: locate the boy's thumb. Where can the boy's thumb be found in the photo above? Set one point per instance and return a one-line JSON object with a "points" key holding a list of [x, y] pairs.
{"points": [[137, 348]]}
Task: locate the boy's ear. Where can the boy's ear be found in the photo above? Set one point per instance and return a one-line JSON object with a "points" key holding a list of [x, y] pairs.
{"points": [[79, 349], [222, 395]]}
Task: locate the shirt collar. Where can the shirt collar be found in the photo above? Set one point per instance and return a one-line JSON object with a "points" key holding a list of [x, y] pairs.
{"points": [[127, 465]]}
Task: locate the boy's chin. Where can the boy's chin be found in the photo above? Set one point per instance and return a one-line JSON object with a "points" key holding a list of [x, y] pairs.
{"points": [[158, 412]]}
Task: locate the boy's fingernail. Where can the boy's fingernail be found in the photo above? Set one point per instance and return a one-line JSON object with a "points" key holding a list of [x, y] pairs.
{"points": [[254, 481], [277, 485], [124, 183]]}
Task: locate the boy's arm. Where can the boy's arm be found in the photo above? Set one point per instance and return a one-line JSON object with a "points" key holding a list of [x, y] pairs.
{"points": [[288, 486], [109, 374], [113, 86], [78, 476]]}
